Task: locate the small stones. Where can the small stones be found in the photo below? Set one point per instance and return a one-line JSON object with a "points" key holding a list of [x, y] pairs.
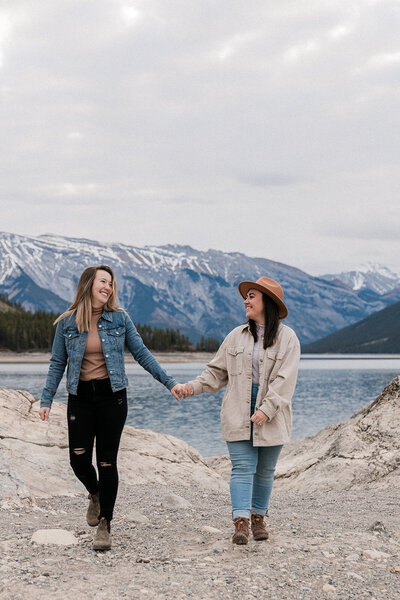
{"points": [[209, 529], [375, 555], [354, 575], [59, 537], [328, 588], [135, 517], [378, 527], [143, 560], [352, 557], [175, 501]]}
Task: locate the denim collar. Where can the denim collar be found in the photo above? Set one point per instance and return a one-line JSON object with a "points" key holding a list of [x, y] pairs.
{"points": [[106, 315]]}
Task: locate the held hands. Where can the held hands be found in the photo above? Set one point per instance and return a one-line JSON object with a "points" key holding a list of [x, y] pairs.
{"points": [[44, 413], [182, 390], [259, 418]]}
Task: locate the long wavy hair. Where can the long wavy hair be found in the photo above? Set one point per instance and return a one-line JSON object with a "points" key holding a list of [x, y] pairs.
{"points": [[271, 317], [82, 304]]}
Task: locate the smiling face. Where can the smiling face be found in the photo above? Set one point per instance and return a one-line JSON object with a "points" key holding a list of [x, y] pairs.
{"points": [[254, 306], [102, 288]]}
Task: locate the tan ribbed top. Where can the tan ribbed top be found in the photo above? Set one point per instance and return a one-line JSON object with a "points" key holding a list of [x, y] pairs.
{"points": [[93, 362]]}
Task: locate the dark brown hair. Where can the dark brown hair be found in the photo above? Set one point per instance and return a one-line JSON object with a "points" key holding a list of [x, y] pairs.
{"points": [[271, 317]]}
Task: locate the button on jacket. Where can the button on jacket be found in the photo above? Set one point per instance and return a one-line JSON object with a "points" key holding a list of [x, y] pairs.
{"points": [[116, 330], [232, 366]]}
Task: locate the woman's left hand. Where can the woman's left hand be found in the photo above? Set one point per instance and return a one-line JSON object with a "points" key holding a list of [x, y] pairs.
{"points": [[259, 418], [178, 391]]}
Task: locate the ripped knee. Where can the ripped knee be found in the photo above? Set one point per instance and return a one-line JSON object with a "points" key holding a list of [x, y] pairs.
{"points": [[72, 417], [105, 464], [79, 451]]}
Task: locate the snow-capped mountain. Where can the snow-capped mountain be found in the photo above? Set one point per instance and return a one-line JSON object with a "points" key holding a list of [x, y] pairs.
{"points": [[174, 286], [376, 278]]}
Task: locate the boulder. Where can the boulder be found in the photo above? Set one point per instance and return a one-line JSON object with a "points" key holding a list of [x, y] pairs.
{"points": [[362, 452], [34, 459], [58, 537]]}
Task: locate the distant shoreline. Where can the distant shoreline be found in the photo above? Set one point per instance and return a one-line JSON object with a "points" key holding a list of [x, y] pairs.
{"points": [[179, 357], [162, 357]]}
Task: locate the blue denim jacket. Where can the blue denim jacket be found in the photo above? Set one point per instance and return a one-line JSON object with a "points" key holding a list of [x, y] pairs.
{"points": [[115, 329]]}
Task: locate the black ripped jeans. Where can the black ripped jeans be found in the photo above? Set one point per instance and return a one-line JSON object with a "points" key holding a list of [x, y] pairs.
{"points": [[96, 412]]}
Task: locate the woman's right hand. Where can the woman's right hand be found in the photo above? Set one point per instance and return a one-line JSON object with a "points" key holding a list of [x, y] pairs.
{"points": [[44, 413]]}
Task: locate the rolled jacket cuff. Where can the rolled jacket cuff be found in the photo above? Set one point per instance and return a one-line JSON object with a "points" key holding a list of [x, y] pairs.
{"points": [[197, 387], [45, 403], [172, 383], [271, 413]]}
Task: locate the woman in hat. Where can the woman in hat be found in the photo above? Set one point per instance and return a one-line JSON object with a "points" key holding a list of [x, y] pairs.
{"points": [[258, 362], [90, 338]]}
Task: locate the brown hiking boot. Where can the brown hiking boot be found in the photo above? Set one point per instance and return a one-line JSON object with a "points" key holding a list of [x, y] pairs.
{"points": [[93, 511], [102, 539], [241, 535], [258, 528]]}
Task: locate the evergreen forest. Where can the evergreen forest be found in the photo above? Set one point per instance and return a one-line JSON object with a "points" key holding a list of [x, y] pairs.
{"points": [[24, 331]]}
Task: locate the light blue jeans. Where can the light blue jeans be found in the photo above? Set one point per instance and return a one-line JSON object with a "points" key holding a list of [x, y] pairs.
{"points": [[253, 470]]}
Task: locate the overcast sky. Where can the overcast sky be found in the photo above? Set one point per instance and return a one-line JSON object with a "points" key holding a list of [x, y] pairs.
{"points": [[265, 127]]}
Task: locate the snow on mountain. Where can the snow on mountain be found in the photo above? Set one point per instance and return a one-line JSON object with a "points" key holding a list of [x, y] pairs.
{"points": [[174, 286], [370, 276]]}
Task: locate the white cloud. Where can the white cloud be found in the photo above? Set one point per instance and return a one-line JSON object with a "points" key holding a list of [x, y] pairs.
{"points": [[234, 44], [193, 120], [74, 189], [385, 59], [295, 53], [74, 135], [130, 14], [339, 31]]}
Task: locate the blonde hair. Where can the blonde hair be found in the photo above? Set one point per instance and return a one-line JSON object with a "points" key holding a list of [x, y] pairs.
{"points": [[82, 304]]}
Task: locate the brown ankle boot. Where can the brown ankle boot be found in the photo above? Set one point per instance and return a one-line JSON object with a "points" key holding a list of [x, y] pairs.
{"points": [[241, 535], [258, 528], [102, 539], [93, 511]]}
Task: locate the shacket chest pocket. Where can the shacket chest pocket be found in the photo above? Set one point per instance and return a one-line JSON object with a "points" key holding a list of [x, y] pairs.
{"points": [[272, 362], [234, 360], [115, 336]]}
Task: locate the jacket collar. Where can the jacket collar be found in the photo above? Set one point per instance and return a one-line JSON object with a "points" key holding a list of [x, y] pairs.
{"points": [[247, 326], [106, 315]]}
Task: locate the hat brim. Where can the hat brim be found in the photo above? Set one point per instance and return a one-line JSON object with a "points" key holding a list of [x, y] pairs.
{"points": [[245, 286]]}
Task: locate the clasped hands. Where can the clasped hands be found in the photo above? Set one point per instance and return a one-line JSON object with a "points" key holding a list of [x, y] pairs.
{"points": [[182, 390]]}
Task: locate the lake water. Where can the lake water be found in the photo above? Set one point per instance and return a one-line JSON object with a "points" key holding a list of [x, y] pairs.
{"points": [[329, 389]]}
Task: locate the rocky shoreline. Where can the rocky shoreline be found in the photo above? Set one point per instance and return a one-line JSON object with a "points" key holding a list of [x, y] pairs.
{"points": [[334, 525]]}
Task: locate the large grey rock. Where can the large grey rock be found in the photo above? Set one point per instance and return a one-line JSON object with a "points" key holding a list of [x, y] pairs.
{"points": [[34, 459], [362, 452], [58, 537]]}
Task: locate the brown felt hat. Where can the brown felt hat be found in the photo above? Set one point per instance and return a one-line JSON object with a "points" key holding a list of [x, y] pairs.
{"points": [[269, 287]]}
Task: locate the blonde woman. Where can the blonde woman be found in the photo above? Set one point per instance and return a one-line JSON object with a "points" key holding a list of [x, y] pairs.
{"points": [[258, 362], [90, 339]]}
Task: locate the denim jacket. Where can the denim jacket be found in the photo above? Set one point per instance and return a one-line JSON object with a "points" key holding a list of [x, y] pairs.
{"points": [[115, 329]]}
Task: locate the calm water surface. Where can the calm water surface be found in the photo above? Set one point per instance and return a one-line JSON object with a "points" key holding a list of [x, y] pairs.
{"points": [[328, 390]]}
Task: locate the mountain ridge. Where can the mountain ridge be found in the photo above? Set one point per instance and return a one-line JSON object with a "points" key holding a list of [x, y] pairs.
{"points": [[174, 286], [375, 334]]}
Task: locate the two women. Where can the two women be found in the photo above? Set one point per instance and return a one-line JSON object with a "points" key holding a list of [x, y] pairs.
{"points": [[90, 339], [258, 363]]}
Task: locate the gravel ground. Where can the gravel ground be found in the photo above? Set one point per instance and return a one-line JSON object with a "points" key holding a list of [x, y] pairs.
{"points": [[342, 545]]}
